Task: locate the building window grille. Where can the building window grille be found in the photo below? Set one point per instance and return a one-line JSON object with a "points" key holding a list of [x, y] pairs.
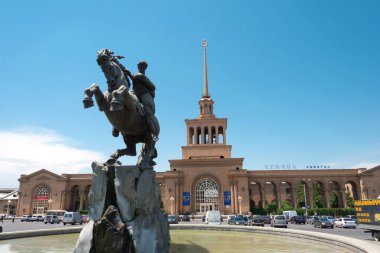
{"points": [[40, 200], [206, 195]]}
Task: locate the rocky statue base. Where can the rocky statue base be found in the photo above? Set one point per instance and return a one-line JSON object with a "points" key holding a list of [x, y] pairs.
{"points": [[124, 213]]}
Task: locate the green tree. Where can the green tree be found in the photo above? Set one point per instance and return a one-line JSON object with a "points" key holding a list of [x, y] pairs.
{"points": [[286, 205], [271, 207], [334, 199], [300, 191], [317, 195], [350, 200]]}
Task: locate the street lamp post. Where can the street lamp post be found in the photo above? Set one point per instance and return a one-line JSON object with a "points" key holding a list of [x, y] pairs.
{"points": [[304, 193], [171, 205], [240, 199]]}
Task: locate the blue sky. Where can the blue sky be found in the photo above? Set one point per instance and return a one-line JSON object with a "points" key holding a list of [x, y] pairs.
{"points": [[297, 80]]}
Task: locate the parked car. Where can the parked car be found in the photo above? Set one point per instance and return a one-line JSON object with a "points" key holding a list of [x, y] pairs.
{"points": [[256, 220], [279, 221], [313, 219], [184, 217], [345, 223], [72, 218], [37, 218], [26, 218], [51, 219], [330, 218], [299, 219], [172, 219], [353, 217], [323, 222], [229, 217], [267, 219], [213, 217], [1, 229], [238, 220]]}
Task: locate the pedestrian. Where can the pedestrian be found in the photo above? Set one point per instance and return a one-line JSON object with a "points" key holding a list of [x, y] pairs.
{"points": [[2, 219], [192, 216], [13, 219]]}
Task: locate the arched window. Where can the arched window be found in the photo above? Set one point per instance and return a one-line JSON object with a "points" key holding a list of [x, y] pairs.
{"points": [[206, 195], [40, 200]]}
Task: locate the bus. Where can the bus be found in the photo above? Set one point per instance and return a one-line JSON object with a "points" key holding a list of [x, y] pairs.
{"points": [[59, 213]]}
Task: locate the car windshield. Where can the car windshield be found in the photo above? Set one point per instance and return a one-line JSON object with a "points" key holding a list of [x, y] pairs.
{"points": [[280, 217], [330, 217], [171, 216], [347, 219], [324, 219], [238, 219]]}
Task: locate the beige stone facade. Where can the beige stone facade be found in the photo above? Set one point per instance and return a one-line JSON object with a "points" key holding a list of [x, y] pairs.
{"points": [[206, 178]]}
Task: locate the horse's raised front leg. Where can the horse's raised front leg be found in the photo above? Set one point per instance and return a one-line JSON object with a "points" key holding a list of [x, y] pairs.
{"points": [[89, 92], [130, 142]]}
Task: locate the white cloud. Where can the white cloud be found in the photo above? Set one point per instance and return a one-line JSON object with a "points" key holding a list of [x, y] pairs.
{"points": [[25, 151]]}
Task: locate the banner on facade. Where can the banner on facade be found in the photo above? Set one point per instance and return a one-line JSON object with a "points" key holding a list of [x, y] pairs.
{"points": [[186, 199], [227, 198], [41, 197]]}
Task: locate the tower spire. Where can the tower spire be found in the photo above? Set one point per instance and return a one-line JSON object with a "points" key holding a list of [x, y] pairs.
{"points": [[205, 81], [206, 104]]}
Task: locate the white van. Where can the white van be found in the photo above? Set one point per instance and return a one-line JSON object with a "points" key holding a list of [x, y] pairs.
{"points": [[289, 214], [72, 218], [213, 218]]}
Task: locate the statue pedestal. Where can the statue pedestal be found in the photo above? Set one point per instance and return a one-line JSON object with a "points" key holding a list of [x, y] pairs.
{"points": [[124, 212]]}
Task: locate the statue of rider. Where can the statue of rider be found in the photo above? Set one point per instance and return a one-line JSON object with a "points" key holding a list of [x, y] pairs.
{"points": [[145, 91]]}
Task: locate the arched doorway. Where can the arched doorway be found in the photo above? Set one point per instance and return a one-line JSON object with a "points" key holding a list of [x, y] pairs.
{"points": [[40, 200], [206, 195]]}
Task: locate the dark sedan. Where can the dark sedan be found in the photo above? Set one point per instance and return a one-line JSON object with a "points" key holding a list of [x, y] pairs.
{"points": [[185, 217], [237, 221], [172, 219], [298, 219], [256, 220], [323, 223]]}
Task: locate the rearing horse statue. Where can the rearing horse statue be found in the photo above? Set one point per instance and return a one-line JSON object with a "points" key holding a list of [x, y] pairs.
{"points": [[124, 111]]}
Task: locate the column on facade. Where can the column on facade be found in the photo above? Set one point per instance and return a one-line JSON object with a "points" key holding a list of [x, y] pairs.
{"points": [[224, 135], [216, 135], [196, 135], [326, 193], [188, 136], [176, 189], [356, 194], [63, 201], [293, 198], [18, 211], [180, 198], [232, 198], [343, 199], [236, 204], [81, 195], [262, 197], [278, 194], [202, 135], [209, 135]]}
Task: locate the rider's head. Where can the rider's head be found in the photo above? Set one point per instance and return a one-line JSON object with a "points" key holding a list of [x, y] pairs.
{"points": [[142, 65]]}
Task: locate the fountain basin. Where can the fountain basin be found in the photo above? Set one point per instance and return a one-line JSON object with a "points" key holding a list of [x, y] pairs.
{"points": [[221, 239]]}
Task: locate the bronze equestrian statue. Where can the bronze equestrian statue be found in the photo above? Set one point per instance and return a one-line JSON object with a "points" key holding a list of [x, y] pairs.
{"points": [[130, 114]]}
